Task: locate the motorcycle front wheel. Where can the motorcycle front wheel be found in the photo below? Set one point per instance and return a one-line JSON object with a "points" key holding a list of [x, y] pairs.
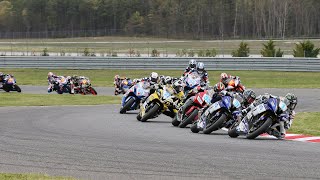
{"points": [[154, 109]]}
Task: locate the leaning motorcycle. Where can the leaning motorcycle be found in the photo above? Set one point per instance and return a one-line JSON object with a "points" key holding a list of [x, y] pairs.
{"points": [[158, 102], [260, 119], [9, 84], [191, 81], [222, 113], [131, 99], [61, 85], [85, 87], [201, 100]]}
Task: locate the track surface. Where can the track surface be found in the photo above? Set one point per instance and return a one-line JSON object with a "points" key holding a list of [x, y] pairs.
{"points": [[96, 142]]}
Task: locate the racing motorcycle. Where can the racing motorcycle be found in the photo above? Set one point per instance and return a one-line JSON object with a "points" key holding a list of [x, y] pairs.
{"points": [[235, 85], [201, 100], [122, 86], [261, 119], [158, 102], [222, 113], [84, 87], [191, 81], [9, 84], [131, 99], [61, 85]]}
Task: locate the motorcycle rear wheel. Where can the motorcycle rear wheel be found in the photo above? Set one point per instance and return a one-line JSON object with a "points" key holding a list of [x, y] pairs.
{"points": [[188, 119], [232, 132], [194, 128], [175, 122]]}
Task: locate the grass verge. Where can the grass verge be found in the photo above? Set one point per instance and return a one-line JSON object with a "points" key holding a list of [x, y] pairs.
{"points": [[306, 123], [104, 78], [9, 176], [17, 99]]}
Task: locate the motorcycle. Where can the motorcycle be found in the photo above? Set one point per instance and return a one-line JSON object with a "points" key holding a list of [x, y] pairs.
{"points": [[131, 99], [84, 87], [235, 85], [9, 84], [261, 119], [159, 102], [222, 113], [122, 86], [191, 81], [61, 85], [201, 100]]}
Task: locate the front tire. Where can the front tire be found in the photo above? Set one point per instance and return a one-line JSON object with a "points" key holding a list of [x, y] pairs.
{"points": [[194, 128], [127, 106], [189, 119], [263, 128], [175, 121], [150, 113], [216, 125], [93, 91], [232, 132], [17, 88]]}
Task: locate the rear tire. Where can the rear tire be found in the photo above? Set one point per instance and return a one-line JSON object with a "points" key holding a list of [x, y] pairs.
{"points": [[189, 119], [127, 105], [150, 113], [215, 125], [6, 88], [263, 128]]}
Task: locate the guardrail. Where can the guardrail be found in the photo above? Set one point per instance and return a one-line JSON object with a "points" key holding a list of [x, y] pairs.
{"points": [[276, 64]]}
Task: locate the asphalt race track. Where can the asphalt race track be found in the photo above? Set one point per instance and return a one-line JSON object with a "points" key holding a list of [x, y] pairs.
{"points": [[96, 142]]}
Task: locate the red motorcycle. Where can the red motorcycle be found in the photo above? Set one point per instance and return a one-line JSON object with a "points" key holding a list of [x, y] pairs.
{"points": [[190, 115]]}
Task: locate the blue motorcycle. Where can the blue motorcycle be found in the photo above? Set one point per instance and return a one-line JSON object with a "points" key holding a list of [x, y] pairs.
{"points": [[222, 113], [131, 99], [260, 119]]}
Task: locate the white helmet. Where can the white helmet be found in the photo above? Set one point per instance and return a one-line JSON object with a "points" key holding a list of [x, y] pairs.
{"points": [[154, 77], [192, 63], [177, 86], [50, 74], [168, 80], [200, 67]]}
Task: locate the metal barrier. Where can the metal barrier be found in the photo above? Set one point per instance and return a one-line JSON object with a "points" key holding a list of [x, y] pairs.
{"points": [[275, 64]]}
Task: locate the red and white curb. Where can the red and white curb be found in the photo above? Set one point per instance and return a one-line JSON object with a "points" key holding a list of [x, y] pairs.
{"points": [[293, 137]]}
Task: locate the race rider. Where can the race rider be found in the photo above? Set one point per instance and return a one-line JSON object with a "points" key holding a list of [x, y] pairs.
{"points": [[192, 66], [230, 82], [118, 83], [286, 118], [177, 87], [203, 74], [51, 80]]}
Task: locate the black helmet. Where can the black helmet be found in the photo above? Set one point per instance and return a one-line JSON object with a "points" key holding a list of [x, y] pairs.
{"points": [[291, 101], [249, 95]]}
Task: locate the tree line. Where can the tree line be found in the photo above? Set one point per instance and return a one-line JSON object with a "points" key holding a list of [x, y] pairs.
{"points": [[192, 19]]}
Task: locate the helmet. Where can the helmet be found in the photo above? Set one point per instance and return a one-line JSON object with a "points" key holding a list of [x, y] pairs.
{"points": [[218, 87], [168, 80], [200, 67], [154, 77], [291, 101], [50, 74], [249, 95], [223, 76], [177, 86], [192, 63]]}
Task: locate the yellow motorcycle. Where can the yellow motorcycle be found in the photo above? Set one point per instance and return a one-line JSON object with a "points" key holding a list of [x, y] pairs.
{"points": [[161, 101]]}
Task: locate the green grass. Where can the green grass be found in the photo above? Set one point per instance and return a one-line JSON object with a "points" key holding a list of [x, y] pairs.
{"points": [[9, 176], [104, 78], [306, 123], [17, 99], [143, 45]]}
